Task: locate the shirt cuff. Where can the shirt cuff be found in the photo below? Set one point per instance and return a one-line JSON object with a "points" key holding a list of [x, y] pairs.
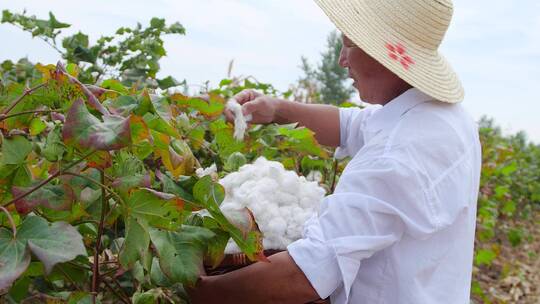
{"points": [[311, 257]]}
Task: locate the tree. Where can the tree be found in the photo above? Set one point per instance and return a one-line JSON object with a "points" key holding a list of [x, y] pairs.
{"points": [[327, 82], [131, 54]]}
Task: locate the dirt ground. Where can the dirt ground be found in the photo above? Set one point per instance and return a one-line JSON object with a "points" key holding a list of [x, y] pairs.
{"points": [[514, 276]]}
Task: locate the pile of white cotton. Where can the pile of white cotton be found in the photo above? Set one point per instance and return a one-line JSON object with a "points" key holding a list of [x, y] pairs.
{"points": [[280, 200]]}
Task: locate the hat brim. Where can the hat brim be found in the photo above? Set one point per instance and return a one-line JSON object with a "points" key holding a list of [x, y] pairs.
{"points": [[431, 73]]}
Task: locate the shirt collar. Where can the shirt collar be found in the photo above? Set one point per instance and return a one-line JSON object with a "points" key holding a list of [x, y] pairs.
{"points": [[388, 115]]}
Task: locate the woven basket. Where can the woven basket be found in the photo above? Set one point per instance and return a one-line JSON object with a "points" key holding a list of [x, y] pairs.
{"points": [[236, 261]]}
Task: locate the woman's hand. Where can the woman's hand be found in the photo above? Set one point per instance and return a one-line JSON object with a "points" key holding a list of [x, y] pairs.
{"points": [[263, 109]]}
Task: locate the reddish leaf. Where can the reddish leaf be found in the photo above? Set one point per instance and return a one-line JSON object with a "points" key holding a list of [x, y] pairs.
{"points": [[211, 108], [139, 129], [58, 116], [100, 160], [92, 99], [179, 203], [82, 129], [129, 182], [57, 197]]}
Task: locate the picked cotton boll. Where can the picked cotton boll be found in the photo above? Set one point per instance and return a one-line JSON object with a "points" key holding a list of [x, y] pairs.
{"points": [[314, 176], [266, 185], [290, 182], [240, 121], [277, 226], [305, 202], [201, 172], [279, 199], [285, 198]]}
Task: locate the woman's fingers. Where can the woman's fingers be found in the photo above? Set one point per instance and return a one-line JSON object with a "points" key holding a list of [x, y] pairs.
{"points": [[246, 96], [228, 115]]}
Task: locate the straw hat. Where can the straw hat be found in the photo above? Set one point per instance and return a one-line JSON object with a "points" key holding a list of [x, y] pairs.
{"points": [[404, 36]]}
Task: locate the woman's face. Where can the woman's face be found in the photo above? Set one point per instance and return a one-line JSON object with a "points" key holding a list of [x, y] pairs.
{"points": [[363, 69]]}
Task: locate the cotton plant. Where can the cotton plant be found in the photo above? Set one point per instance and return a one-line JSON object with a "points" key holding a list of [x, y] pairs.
{"points": [[280, 200]]}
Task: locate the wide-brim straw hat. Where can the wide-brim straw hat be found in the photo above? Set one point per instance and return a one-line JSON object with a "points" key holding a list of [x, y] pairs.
{"points": [[404, 36]]}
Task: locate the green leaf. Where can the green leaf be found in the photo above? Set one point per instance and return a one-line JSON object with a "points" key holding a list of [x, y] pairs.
{"points": [[235, 161], [509, 169], [139, 130], [225, 82], [20, 289], [224, 139], [501, 191], [147, 297], [157, 23], [177, 28], [310, 163], [15, 150], [74, 70], [113, 84], [77, 48], [157, 276], [85, 130], [181, 253], [22, 176], [216, 247], [7, 16], [477, 289], [167, 82], [123, 105], [51, 243], [158, 212], [7, 170], [177, 158], [126, 183], [509, 208], [515, 237], [211, 194], [484, 257], [158, 105], [136, 243], [210, 109], [37, 126], [14, 258], [127, 165], [54, 146], [55, 24], [157, 123], [196, 137], [170, 186], [302, 140], [80, 297]]}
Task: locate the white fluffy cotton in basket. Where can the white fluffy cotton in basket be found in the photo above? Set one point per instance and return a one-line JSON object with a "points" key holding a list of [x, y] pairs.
{"points": [[280, 200]]}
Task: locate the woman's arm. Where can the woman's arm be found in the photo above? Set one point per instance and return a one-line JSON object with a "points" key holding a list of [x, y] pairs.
{"points": [[321, 119], [280, 281]]}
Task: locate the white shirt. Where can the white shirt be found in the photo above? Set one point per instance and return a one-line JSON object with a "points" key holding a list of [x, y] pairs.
{"points": [[400, 225]]}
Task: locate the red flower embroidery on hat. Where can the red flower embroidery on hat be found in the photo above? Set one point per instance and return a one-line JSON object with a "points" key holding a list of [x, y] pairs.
{"points": [[398, 53]]}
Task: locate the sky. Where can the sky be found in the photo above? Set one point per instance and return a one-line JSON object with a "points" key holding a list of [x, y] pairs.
{"points": [[494, 45]]}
